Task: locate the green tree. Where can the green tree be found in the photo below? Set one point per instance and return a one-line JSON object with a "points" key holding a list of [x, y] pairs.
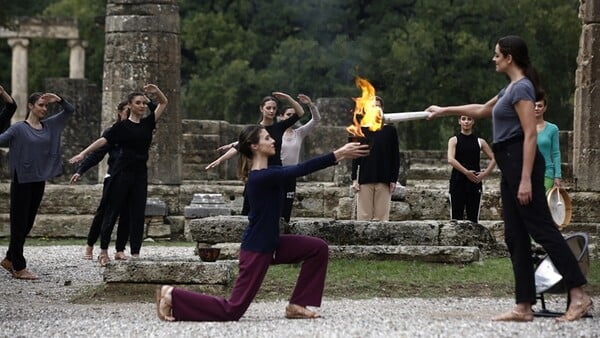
{"points": [[10, 11], [217, 69]]}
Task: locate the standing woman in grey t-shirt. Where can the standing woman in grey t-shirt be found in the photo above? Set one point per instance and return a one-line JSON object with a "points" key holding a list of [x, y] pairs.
{"points": [[525, 211], [34, 157]]}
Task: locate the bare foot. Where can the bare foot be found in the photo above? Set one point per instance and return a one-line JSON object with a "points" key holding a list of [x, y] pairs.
{"points": [[88, 252], [577, 309], [163, 303], [294, 311], [120, 256]]}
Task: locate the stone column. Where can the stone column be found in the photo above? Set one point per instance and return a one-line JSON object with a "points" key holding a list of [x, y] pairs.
{"points": [[586, 123], [142, 46], [19, 76], [82, 127], [77, 58]]}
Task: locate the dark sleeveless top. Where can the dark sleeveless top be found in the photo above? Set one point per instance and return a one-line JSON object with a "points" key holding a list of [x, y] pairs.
{"points": [[467, 154]]}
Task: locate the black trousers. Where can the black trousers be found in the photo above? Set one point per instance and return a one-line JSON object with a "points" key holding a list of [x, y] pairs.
{"points": [[25, 199], [465, 194], [127, 189], [533, 219], [122, 229]]}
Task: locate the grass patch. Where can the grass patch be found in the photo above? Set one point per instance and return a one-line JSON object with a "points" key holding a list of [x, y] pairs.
{"points": [[346, 278], [357, 278], [360, 279]]}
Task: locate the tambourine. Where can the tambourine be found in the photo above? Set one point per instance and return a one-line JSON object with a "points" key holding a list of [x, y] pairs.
{"points": [[560, 206]]}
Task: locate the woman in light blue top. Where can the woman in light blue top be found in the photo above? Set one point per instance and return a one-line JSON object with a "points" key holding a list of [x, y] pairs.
{"points": [[548, 144], [34, 158]]}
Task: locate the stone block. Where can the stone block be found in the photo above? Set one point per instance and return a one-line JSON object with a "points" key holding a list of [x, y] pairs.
{"points": [[204, 127], [206, 205], [466, 234], [399, 193], [586, 177], [158, 231], [201, 144], [422, 253], [177, 224], [201, 211], [341, 232], [218, 229], [196, 172], [400, 211], [345, 209], [61, 226], [589, 11], [159, 270], [228, 250], [130, 22], [155, 207]]}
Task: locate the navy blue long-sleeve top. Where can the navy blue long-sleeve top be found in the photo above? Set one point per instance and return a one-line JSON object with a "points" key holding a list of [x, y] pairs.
{"points": [[265, 192]]}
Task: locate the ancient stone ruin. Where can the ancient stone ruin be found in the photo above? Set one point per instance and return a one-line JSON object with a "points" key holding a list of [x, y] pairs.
{"points": [[142, 46]]}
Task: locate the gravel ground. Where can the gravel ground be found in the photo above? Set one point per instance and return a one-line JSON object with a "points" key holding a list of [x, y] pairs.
{"points": [[41, 309]]}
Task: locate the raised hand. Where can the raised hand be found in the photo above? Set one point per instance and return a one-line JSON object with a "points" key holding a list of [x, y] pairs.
{"points": [[49, 97], [304, 99], [282, 96]]}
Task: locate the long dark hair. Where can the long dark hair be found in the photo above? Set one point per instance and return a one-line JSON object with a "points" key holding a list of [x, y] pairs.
{"points": [[120, 108], [132, 96], [249, 136], [263, 102], [33, 98], [516, 47]]}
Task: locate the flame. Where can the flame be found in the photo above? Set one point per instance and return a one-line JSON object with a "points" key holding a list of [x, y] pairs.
{"points": [[371, 115]]}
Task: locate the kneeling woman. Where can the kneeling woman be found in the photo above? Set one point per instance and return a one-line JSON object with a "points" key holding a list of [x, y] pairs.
{"points": [[262, 245]]}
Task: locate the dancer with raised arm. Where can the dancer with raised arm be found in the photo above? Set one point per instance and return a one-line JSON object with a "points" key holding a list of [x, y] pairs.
{"points": [[291, 144], [268, 111], [129, 183], [34, 157], [10, 107], [262, 244]]}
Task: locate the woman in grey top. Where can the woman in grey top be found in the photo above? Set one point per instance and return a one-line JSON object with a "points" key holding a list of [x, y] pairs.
{"points": [[34, 158], [525, 211]]}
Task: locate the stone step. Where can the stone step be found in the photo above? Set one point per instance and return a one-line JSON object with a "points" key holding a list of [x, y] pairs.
{"points": [[422, 199], [224, 229], [159, 270], [422, 253]]}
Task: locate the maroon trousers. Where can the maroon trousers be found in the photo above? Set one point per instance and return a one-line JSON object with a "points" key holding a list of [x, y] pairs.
{"points": [[311, 251]]}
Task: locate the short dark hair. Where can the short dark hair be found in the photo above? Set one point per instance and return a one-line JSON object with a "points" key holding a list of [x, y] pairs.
{"points": [[378, 98]]}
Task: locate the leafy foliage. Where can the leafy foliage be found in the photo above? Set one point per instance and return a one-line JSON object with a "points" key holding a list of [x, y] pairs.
{"points": [[415, 52]]}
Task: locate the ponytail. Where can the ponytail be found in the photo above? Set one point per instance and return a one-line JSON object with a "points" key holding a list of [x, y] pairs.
{"points": [[249, 136], [516, 47]]}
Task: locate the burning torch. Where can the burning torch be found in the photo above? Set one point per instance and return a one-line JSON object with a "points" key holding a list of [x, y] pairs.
{"points": [[368, 115]]}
